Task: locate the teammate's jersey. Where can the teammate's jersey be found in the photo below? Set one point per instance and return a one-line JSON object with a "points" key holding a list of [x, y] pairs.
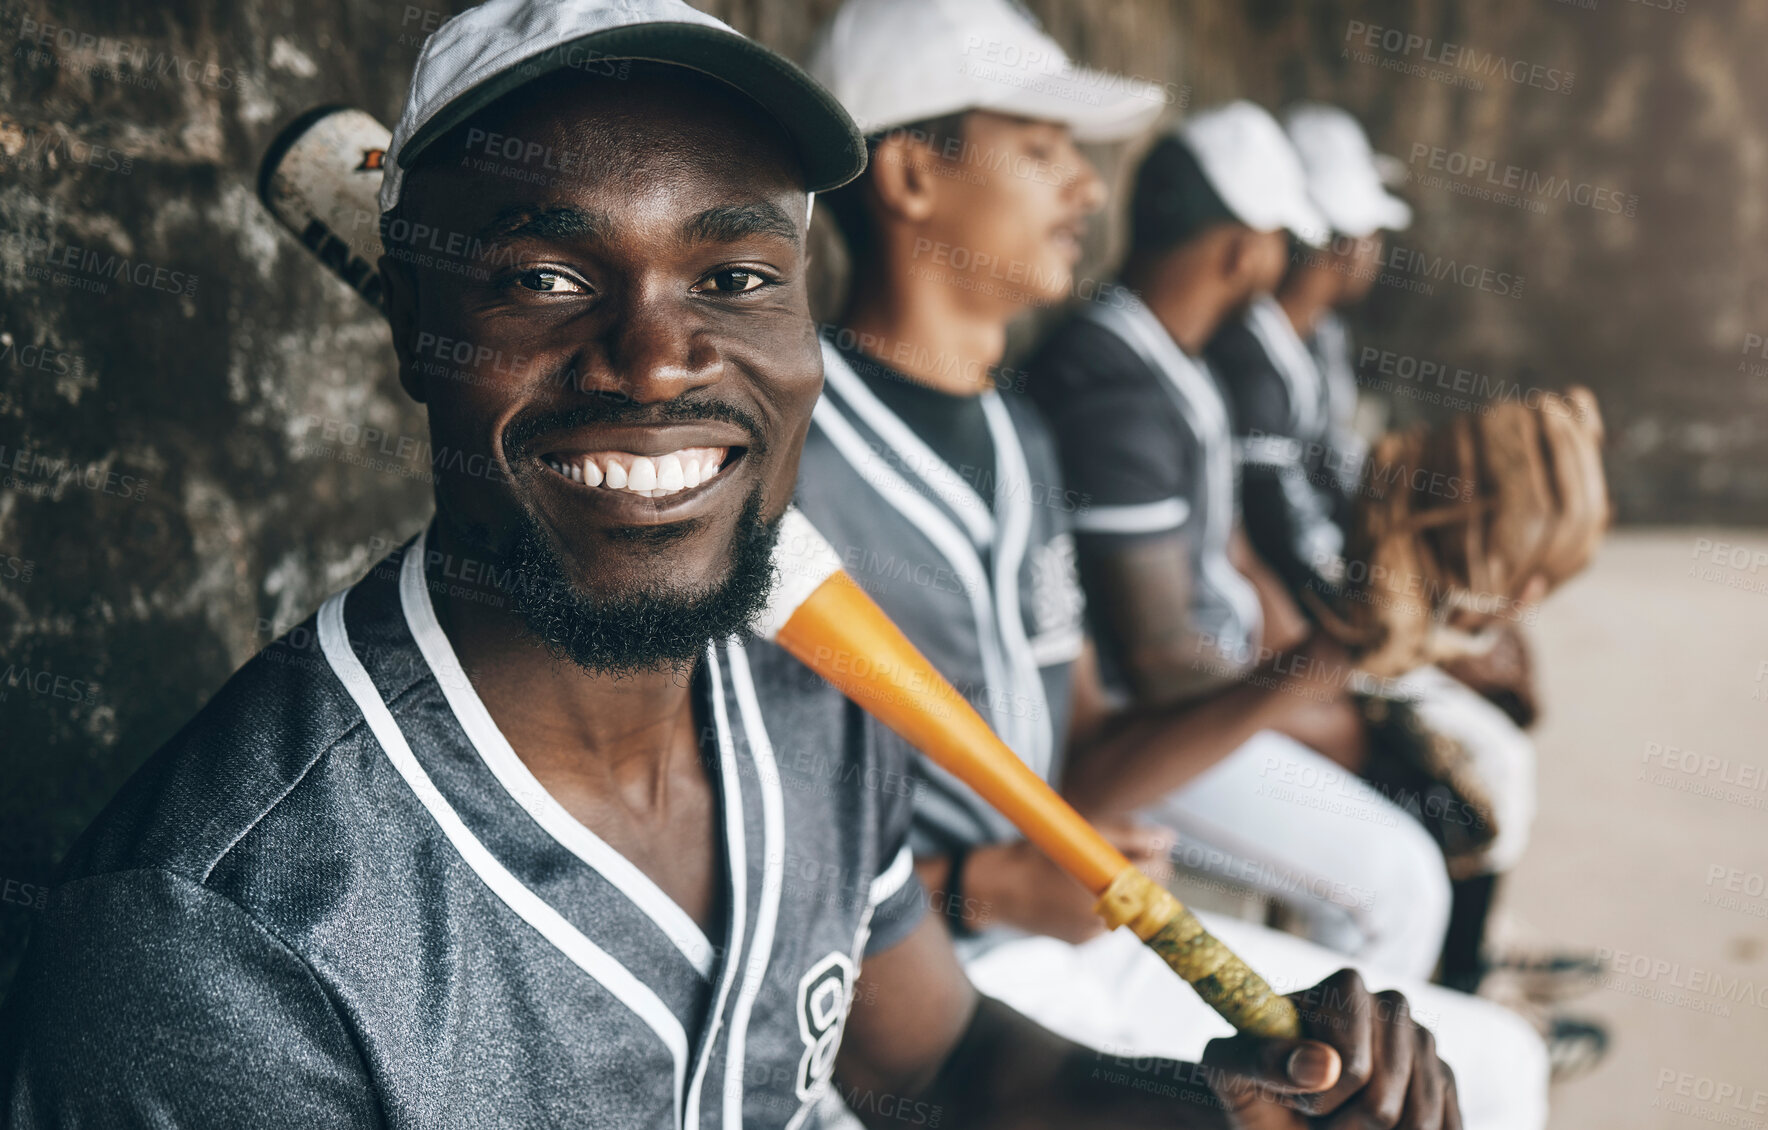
{"points": [[1145, 437], [1330, 347], [975, 563], [339, 899], [1273, 386], [1282, 411]]}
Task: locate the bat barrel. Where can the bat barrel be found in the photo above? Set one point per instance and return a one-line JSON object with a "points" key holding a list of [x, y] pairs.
{"points": [[321, 178]]}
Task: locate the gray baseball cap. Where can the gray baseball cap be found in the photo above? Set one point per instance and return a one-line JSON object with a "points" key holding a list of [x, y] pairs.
{"points": [[488, 51]]}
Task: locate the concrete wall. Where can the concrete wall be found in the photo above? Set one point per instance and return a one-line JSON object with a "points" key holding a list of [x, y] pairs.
{"points": [[185, 468]]}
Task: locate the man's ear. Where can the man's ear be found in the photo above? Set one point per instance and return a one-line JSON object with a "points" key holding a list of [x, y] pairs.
{"points": [[399, 292], [1245, 257], [1237, 253], [902, 179]]}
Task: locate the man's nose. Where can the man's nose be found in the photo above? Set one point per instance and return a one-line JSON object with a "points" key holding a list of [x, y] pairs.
{"points": [[1089, 186], [654, 351]]}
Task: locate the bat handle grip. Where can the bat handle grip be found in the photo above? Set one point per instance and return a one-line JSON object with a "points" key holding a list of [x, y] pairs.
{"points": [[1241, 996]]}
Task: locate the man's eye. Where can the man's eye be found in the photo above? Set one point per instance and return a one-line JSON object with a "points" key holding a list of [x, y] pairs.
{"points": [[548, 282], [734, 282]]}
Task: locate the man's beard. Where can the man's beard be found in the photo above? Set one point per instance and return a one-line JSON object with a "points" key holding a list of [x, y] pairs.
{"points": [[651, 630]]}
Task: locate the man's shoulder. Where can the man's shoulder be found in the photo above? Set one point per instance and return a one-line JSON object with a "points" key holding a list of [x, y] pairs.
{"points": [[214, 789], [811, 721], [820, 455], [844, 487], [1238, 355], [1081, 353], [794, 699], [1248, 376]]}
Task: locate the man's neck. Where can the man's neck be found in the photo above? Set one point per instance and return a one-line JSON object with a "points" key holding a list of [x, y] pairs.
{"points": [[1307, 295], [924, 329], [1183, 298], [621, 734]]}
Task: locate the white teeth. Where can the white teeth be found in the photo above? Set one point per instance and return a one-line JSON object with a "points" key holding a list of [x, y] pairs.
{"points": [[643, 475], [648, 476]]}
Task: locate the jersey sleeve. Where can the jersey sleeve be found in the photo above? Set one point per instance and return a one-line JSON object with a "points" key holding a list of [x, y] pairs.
{"points": [[1115, 428], [147, 999]]}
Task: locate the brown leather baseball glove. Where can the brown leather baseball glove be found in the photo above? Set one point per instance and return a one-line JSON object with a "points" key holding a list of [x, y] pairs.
{"points": [[1464, 524]]}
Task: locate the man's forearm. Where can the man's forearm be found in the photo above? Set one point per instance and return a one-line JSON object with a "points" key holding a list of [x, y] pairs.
{"points": [[1181, 667], [1007, 1072], [1146, 752], [1141, 598], [1284, 626]]}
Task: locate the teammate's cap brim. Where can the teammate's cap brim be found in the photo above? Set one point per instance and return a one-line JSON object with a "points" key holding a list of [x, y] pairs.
{"points": [[1095, 105], [1378, 211], [829, 145], [1391, 170], [1396, 214], [1273, 204]]}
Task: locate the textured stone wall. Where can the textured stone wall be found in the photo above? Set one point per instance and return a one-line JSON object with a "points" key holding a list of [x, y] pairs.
{"points": [[188, 466], [217, 392]]}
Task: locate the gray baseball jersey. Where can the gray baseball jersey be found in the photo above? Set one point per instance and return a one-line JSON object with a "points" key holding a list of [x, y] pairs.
{"points": [[1330, 347], [1281, 409], [1145, 434], [974, 561], [339, 898]]}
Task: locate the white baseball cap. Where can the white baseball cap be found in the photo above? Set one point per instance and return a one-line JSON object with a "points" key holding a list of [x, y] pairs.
{"points": [[892, 62], [488, 51], [1345, 175], [1250, 163]]}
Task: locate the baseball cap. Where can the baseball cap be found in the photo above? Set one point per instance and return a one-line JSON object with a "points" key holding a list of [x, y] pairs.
{"points": [[1346, 178], [488, 51], [1248, 160], [892, 62]]}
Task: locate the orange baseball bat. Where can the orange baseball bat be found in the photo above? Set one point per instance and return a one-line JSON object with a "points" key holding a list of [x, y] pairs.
{"points": [[826, 621]]}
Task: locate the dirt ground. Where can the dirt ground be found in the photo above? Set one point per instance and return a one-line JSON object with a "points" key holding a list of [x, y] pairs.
{"points": [[1651, 845]]}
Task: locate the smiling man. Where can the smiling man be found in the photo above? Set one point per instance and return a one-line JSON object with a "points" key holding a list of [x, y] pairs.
{"points": [[563, 850]]}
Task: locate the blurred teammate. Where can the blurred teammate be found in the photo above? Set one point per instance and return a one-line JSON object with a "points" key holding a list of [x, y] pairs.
{"points": [[1482, 700], [1182, 605], [1347, 181], [972, 549], [1285, 367], [1284, 363], [941, 492]]}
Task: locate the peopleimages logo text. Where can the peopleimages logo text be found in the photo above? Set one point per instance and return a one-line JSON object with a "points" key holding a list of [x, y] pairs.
{"points": [[1458, 57]]}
